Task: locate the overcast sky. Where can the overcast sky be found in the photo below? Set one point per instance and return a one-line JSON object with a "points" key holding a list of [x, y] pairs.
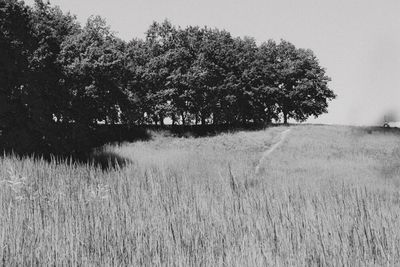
{"points": [[357, 41]]}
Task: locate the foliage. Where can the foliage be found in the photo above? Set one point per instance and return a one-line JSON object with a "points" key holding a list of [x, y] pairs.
{"points": [[59, 81], [31, 98], [16, 45], [300, 87]]}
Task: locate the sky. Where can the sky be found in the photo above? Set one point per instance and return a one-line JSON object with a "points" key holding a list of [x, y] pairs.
{"points": [[357, 41]]}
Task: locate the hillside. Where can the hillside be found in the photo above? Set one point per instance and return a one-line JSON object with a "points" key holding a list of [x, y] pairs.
{"points": [[327, 195]]}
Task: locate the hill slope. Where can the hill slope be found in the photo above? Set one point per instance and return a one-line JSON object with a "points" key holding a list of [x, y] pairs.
{"points": [[327, 195]]}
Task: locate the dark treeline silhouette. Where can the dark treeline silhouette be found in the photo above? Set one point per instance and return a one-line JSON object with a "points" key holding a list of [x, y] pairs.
{"points": [[60, 81]]}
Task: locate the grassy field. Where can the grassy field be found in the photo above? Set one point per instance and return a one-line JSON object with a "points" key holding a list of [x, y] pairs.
{"points": [[327, 196]]}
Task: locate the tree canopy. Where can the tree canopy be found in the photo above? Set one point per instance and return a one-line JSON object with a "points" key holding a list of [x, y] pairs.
{"points": [[60, 80]]}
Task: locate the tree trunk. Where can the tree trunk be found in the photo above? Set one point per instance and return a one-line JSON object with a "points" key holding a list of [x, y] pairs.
{"points": [[268, 119], [203, 120], [285, 118], [215, 119], [183, 118], [173, 118]]}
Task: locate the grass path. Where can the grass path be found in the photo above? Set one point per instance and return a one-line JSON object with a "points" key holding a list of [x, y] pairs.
{"points": [[268, 152]]}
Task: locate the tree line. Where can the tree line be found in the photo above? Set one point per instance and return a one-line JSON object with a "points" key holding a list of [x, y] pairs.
{"points": [[60, 80]]}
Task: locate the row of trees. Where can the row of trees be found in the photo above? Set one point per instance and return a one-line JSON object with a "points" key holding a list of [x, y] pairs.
{"points": [[59, 80]]}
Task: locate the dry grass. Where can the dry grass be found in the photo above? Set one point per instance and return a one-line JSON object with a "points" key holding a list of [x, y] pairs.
{"points": [[327, 196]]}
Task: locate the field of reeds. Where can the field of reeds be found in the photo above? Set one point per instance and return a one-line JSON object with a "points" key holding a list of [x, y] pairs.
{"points": [[327, 196]]}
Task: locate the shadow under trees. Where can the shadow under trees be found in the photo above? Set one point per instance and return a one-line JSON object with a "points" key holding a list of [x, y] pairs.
{"points": [[85, 147], [79, 146]]}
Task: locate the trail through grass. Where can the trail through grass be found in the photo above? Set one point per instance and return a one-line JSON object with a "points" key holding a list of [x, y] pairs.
{"points": [[267, 153]]}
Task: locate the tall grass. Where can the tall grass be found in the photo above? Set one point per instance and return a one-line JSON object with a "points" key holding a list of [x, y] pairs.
{"points": [[328, 196]]}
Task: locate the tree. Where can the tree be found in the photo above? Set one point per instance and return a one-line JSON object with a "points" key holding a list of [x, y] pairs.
{"points": [[300, 86], [48, 99], [160, 40], [93, 66], [31, 103], [247, 82], [199, 76], [217, 58], [16, 45], [137, 104], [266, 81]]}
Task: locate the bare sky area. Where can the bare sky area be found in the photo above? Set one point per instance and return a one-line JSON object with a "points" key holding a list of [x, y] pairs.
{"points": [[357, 41]]}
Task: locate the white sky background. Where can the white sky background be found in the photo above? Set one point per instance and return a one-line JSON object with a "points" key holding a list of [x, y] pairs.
{"points": [[357, 41]]}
